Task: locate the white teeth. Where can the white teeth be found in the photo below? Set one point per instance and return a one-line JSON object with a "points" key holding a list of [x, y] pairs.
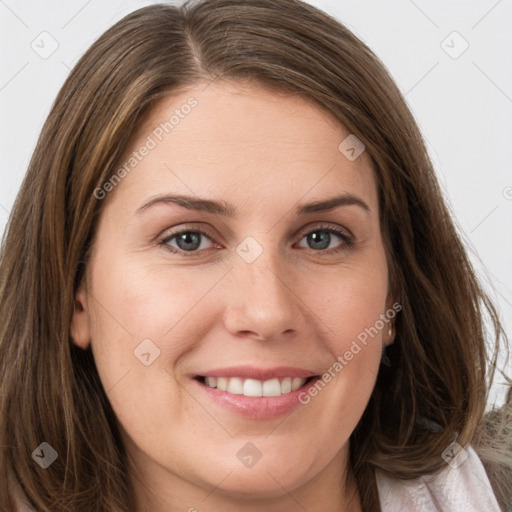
{"points": [[255, 388], [211, 381], [235, 386], [252, 387], [222, 383], [272, 387], [297, 383], [286, 385]]}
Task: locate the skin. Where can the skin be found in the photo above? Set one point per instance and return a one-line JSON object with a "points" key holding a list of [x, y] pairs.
{"points": [[295, 305]]}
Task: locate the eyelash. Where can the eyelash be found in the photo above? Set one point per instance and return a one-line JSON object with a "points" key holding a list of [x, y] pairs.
{"points": [[347, 244]]}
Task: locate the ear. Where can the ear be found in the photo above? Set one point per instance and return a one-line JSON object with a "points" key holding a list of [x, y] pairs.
{"points": [[80, 325]]}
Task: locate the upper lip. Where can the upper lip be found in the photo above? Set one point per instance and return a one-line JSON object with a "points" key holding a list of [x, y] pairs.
{"points": [[263, 374]]}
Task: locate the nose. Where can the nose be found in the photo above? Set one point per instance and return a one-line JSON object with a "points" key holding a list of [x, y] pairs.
{"points": [[262, 303]]}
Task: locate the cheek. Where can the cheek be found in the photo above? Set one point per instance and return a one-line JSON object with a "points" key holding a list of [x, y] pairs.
{"points": [[353, 309], [136, 301], [352, 305], [150, 315]]}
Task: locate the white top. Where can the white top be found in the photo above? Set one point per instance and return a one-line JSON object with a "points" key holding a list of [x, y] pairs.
{"points": [[465, 488]]}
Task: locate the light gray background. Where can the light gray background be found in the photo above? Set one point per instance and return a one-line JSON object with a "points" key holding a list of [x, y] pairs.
{"points": [[463, 105]]}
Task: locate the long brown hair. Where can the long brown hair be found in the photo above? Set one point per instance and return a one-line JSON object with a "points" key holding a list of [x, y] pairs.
{"points": [[440, 367]]}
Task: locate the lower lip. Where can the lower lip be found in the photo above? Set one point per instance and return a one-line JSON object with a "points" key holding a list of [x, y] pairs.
{"points": [[264, 407]]}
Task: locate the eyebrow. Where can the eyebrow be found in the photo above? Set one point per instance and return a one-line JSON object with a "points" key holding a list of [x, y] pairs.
{"points": [[227, 210]]}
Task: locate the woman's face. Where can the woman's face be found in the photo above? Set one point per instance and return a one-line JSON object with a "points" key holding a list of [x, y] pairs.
{"points": [[258, 292]]}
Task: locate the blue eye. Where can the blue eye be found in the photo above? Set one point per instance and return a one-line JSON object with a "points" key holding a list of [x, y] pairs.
{"points": [[320, 239], [189, 242]]}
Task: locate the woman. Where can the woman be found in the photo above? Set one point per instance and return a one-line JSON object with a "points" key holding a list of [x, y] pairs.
{"points": [[230, 282]]}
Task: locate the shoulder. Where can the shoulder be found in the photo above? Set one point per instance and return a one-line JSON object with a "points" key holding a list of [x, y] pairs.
{"points": [[461, 485]]}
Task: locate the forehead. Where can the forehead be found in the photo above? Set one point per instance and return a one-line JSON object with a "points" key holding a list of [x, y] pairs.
{"points": [[234, 139]]}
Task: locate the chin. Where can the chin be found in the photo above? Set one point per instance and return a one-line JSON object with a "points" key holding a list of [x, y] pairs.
{"points": [[251, 484], [265, 479]]}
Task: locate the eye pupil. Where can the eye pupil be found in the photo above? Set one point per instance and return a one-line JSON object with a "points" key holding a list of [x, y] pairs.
{"points": [[320, 239], [188, 241]]}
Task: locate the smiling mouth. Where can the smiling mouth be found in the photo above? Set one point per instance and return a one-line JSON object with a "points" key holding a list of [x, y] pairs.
{"points": [[253, 387]]}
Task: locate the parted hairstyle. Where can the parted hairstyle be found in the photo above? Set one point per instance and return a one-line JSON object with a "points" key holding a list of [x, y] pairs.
{"points": [[448, 332]]}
